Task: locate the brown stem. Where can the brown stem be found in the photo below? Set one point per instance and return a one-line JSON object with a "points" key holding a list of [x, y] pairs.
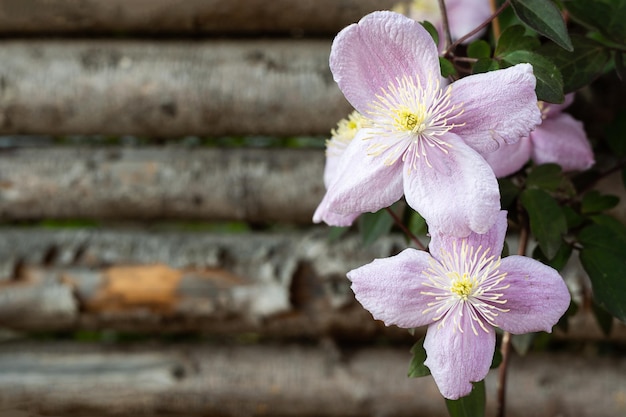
{"points": [[446, 23], [506, 338], [405, 229], [496, 22], [453, 46]]}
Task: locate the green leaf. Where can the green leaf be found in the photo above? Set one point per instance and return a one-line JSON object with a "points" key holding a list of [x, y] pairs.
{"points": [[604, 259], [572, 217], [549, 81], [606, 16], [594, 202], [547, 222], [416, 223], [544, 17], [546, 176], [416, 367], [472, 405], [485, 65], [560, 259], [514, 38], [580, 67], [615, 138], [479, 49], [508, 192], [334, 233], [447, 69], [430, 28], [374, 225]]}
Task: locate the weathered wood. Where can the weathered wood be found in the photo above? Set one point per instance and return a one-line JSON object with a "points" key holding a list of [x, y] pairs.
{"points": [[276, 285], [233, 381], [183, 17], [255, 185], [167, 88]]}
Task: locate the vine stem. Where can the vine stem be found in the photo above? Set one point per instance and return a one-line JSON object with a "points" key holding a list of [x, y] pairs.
{"points": [[496, 22], [506, 338], [449, 50], [401, 225]]}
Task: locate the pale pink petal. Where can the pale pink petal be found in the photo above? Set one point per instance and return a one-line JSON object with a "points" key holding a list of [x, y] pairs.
{"points": [[493, 240], [499, 107], [391, 288], [562, 140], [323, 214], [509, 158], [536, 296], [363, 183], [465, 16], [455, 358], [330, 168], [384, 46], [552, 109], [458, 195]]}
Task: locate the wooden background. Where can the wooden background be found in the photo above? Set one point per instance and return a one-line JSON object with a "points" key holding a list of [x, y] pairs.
{"points": [[146, 271]]}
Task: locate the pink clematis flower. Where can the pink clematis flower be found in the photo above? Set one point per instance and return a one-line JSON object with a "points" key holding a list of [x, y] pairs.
{"points": [[422, 139], [462, 292], [559, 139], [463, 15]]}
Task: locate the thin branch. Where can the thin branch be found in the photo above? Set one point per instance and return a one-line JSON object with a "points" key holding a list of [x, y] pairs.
{"points": [[496, 21], [405, 229], [446, 23], [480, 27], [506, 338]]}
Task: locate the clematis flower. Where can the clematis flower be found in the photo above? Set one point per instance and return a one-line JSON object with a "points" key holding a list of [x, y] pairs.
{"points": [[463, 15], [422, 139], [462, 292], [559, 139], [340, 137]]}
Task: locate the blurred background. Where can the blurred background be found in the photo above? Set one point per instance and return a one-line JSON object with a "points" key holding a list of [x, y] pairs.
{"points": [[160, 162]]}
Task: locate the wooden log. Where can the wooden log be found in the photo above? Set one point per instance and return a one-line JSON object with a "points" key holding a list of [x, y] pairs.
{"points": [[296, 17], [254, 185], [288, 286], [168, 89], [231, 380]]}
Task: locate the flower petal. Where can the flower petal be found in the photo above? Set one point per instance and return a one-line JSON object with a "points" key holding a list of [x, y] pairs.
{"points": [[509, 158], [391, 288], [492, 240], [324, 214], [562, 140], [363, 182], [536, 296], [465, 16], [552, 109], [456, 359], [458, 195], [384, 46], [499, 107]]}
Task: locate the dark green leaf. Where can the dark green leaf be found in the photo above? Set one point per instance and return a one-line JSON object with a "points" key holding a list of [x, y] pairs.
{"points": [[609, 221], [497, 359], [572, 217], [485, 65], [472, 405], [508, 192], [560, 259], [594, 202], [624, 177], [549, 81], [374, 225], [514, 38], [416, 223], [479, 49], [604, 258], [335, 233], [430, 28], [603, 318], [416, 367], [607, 16], [547, 222], [546, 176], [544, 17], [580, 67], [447, 69], [620, 68], [616, 134]]}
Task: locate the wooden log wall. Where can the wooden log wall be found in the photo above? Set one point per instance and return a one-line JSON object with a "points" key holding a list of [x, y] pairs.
{"points": [[260, 322]]}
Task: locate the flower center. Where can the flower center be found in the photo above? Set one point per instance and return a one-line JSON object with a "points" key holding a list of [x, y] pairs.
{"points": [[466, 281], [462, 286], [408, 120], [344, 132]]}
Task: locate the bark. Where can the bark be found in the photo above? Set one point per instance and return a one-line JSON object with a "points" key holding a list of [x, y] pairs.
{"points": [[287, 286], [168, 88], [230, 380], [296, 17], [254, 185]]}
